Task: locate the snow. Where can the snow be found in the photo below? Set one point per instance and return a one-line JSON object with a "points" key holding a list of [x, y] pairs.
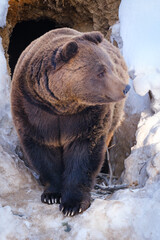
{"points": [[140, 32], [4, 77], [143, 163], [127, 214], [139, 29], [7, 132], [12, 222], [135, 103], [115, 36], [3, 12], [4, 80], [141, 210]]}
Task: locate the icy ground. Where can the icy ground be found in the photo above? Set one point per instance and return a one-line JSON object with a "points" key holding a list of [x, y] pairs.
{"points": [[132, 214]]}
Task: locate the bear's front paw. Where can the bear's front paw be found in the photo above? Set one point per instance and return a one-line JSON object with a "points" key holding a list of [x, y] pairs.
{"points": [[50, 197], [71, 206]]}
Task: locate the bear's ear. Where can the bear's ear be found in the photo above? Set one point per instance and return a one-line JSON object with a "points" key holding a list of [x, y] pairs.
{"points": [[95, 37], [68, 51]]}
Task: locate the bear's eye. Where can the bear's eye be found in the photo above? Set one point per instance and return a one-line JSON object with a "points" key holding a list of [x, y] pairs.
{"points": [[101, 74]]}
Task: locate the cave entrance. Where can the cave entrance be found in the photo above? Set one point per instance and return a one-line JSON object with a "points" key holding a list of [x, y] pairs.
{"points": [[24, 33]]}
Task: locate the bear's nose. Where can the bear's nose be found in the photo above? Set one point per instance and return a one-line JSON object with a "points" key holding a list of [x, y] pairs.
{"points": [[125, 91]]}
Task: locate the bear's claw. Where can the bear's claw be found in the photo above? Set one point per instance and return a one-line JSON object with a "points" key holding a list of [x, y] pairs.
{"points": [[50, 198], [71, 211]]}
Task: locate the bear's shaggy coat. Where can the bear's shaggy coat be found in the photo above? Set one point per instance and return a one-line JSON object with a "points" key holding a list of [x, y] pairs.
{"points": [[67, 99]]}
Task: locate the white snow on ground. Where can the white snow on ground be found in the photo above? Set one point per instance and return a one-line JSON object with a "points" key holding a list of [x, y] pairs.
{"points": [[129, 214], [132, 214], [140, 31]]}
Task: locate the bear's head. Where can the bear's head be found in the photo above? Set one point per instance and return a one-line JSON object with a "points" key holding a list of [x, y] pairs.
{"points": [[89, 70]]}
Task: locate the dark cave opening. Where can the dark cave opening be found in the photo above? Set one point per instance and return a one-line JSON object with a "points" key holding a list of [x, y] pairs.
{"points": [[24, 33]]}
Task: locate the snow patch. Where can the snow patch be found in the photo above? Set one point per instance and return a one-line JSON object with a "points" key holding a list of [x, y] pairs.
{"points": [[139, 28], [9, 222], [8, 137], [134, 103], [3, 12], [140, 208], [4, 83], [7, 132], [115, 36], [140, 31]]}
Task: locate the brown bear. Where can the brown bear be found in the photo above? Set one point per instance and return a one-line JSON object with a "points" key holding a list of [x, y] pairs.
{"points": [[67, 97]]}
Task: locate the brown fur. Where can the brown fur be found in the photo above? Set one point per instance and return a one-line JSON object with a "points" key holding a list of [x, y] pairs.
{"points": [[67, 97]]}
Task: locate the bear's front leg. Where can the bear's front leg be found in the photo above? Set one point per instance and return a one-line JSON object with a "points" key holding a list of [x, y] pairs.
{"points": [[82, 163], [47, 161]]}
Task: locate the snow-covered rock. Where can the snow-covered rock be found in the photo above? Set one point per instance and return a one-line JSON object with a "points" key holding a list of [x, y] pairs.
{"points": [[143, 164], [7, 132], [124, 137], [4, 83]]}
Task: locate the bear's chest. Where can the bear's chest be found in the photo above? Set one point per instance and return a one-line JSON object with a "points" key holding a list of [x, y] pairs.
{"points": [[90, 123], [59, 130]]}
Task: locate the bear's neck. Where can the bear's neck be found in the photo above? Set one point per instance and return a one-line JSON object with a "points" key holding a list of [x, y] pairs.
{"points": [[60, 106]]}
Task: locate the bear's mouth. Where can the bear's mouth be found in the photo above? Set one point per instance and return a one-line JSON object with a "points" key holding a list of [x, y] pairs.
{"points": [[109, 99]]}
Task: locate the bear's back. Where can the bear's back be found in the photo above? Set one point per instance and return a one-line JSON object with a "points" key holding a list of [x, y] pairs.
{"points": [[42, 44]]}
